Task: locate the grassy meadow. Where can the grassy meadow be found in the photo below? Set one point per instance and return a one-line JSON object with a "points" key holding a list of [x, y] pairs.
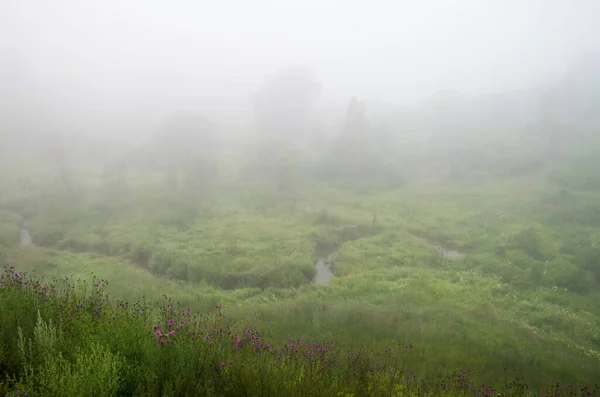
{"points": [[515, 315]]}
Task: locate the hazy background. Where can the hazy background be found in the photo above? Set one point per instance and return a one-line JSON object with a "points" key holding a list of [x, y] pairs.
{"points": [[437, 161], [119, 67]]}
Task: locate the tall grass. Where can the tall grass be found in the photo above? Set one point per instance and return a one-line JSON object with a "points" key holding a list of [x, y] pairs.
{"points": [[70, 339]]}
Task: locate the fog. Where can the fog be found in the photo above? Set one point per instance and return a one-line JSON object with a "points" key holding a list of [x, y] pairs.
{"points": [[385, 176], [114, 67]]}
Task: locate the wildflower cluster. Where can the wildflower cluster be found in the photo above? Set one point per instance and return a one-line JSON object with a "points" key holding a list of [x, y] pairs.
{"points": [[16, 393], [14, 280], [217, 353], [559, 390], [174, 322], [460, 382], [311, 351]]}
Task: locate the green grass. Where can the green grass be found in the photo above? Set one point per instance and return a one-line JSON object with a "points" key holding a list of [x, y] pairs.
{"points": [[67, 338], [520, 305]]}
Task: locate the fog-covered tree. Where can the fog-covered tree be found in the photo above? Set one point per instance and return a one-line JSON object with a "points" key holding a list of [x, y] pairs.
{"points": [[186, 148], [568, 111], [352, 154], [114, 175], [284, 109], [183, 136]]}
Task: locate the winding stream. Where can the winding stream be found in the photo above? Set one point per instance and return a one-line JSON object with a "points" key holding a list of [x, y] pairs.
{"points": [[324, 273], [451, 254], [323, 265]]}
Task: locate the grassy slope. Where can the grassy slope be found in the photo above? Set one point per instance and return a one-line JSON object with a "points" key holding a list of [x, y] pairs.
{"points": [[392, 287]]}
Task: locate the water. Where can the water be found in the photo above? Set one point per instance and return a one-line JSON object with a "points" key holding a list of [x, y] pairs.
{"points": [[324, 274], [451, 254], [25, 235]]}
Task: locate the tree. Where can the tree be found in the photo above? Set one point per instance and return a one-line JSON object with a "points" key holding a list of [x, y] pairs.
{"points": [[284, 109], [187, 147], [568, 110], [351, 154], [184, 136]]}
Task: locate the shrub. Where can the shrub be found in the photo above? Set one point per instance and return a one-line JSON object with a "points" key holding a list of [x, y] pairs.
{"points": [[565, 274], [48, 234], [589, 259], [530, 241], [160, 261]]}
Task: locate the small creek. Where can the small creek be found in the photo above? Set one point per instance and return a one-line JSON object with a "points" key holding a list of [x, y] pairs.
{"points": [[323, 265], [324, 273], [444, 252], [451, 254]]}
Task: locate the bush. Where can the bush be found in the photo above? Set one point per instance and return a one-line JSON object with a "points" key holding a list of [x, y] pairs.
{"points": [[160, 261], [48, 234], [93, 372], [140, 255], [530, 241], [588, 259], [579, 281], [178, 270], [573, 242], [509, 272], [565, 274]]}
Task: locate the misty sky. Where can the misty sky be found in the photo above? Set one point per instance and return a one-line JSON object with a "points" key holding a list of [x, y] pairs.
{"points": [[123, 56]]}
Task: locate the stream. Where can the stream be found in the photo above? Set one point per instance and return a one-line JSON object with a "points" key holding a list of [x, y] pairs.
{"points": [[324, 273], [451, 254], [323, 265]]}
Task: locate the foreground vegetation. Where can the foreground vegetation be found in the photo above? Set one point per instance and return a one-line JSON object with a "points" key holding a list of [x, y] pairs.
{"points": [[489, 314], [69, 341]]}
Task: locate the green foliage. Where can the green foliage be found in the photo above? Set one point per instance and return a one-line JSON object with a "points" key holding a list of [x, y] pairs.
{"points": [[94, 371], [529, 241], [522, 302], [588, 259], [105, 347]]}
